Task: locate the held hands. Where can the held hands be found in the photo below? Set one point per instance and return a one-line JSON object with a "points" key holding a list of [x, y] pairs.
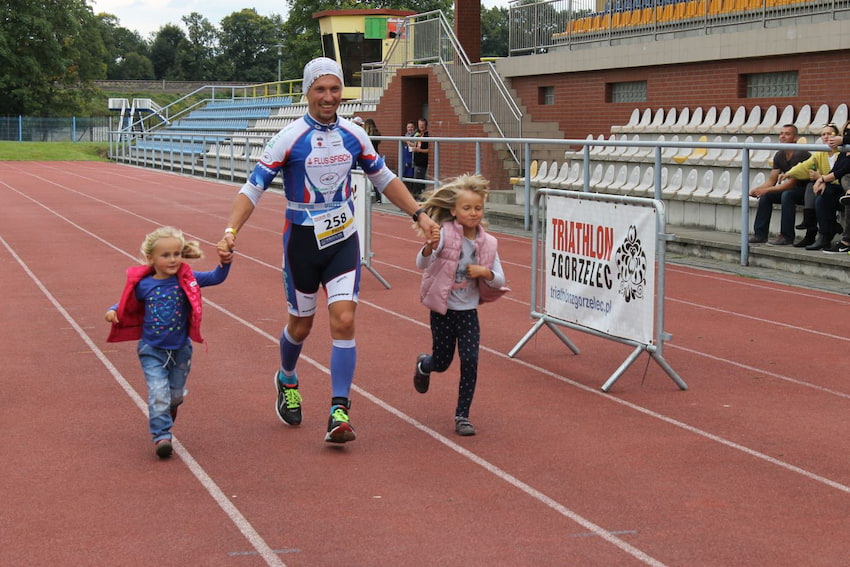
{"points": [[432, 240], [225, 249], [430, 229]]}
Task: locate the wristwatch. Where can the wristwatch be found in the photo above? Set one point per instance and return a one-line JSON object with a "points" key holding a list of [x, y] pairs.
{"points": [[416, 214]]}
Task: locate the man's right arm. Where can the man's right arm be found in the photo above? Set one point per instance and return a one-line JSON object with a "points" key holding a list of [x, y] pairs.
{"points": [[240, 211]]}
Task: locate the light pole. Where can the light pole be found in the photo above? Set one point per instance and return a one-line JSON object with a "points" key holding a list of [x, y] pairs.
{"points": [[279, 54]]}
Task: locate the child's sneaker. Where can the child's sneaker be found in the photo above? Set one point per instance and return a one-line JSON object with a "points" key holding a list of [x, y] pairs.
{"points": [[421, 380], [288, 405], [463, 426], [339, 428], [163, 448]]}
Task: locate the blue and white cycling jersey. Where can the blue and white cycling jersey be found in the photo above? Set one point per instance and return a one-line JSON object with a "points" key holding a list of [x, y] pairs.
{"points": [[315, 161]]}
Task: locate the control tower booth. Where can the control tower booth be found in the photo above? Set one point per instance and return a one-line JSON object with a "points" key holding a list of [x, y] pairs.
{"points": [[354, 37]]}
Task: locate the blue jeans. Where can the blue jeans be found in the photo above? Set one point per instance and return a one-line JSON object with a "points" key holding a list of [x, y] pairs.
{"points": [[789, 199], [165, 371]]}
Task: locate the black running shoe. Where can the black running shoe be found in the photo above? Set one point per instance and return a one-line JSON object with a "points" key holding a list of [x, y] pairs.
{"points": [[339, 428], [421, 380], [839, 247], [288, 405]]}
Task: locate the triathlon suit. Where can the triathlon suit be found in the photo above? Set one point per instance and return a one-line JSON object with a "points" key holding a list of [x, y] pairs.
{"points": [[320, 243]]}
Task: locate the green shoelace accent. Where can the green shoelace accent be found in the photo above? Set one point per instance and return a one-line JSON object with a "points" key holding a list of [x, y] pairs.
{"points": [[293, 398], [339, 414]]}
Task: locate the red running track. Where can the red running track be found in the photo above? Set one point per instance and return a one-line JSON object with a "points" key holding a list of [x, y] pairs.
{"points": [[747, 467]]}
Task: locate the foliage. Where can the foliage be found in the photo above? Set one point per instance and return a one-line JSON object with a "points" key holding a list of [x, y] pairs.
{"points": [[169, 41], [494, 32], [249, 47], [53, 151], [201, 48], [51, 51]]}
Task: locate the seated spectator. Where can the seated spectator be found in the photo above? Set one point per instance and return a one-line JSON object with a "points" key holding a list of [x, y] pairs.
{"points": [[832, 198], [773, 191], [808, 172]]}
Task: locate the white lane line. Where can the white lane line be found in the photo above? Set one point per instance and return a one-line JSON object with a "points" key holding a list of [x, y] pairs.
{"points": [[242, 524], [260, 545], [735, 279], [743, 366], [758, 319], [646, 411]]}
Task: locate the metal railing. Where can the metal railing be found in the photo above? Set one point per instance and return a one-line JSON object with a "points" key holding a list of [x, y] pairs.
{"points": [[236, 165], [546, 24], [56, 129], [427, 39]]}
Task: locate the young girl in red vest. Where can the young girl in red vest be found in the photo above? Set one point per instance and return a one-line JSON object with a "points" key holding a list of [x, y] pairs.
{"points": [[161, 307], [462, 269]]}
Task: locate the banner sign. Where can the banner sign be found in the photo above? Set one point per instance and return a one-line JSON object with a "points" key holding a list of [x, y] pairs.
{"points": [[600, 265]]}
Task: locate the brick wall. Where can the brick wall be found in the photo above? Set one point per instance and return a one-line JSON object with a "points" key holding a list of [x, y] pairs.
{"points": [[580, 98], [410, 91]]}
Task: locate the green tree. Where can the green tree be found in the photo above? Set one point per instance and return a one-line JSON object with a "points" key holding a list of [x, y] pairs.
{"points": [[120, 43], [198, 57], [50, 50], [494, 32], [248, 43], [168, 42], [133, 67]]}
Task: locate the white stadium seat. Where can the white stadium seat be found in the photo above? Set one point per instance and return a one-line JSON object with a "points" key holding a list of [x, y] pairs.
{"points": [[753, 120]]}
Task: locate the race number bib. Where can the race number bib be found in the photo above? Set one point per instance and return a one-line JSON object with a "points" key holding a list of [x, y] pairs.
{"points": [[332, 226]]}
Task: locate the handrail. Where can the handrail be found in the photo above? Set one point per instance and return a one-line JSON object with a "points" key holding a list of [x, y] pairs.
{"points": [[427, 39], [164, 112]]}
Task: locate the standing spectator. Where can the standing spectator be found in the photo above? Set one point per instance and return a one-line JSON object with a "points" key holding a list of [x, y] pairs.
{"points": [[773, 191], [315, 155], [407, 153], [420, 157], [372, 129]]}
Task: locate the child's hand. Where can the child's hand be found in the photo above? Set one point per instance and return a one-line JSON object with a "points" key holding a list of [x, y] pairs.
{"points": [[432, 239], [111, 316], [479, 271], [434, 236], [225, 254]]}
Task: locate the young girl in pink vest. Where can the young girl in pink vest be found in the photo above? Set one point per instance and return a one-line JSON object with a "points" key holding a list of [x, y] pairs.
{"points": [[161, 308], [462, 269]]}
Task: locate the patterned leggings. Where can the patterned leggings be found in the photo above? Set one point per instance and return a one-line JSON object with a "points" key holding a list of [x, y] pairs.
{"points": [[459, 327]]}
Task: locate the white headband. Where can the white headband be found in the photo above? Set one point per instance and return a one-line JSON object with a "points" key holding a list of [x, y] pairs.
{"points": [[319, 67]]}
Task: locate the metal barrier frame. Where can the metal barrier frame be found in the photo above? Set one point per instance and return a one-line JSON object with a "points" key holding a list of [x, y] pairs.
{"points": [[655, 350]]}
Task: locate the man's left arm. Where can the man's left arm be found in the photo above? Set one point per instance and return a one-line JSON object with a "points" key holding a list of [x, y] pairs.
{"points": [[397, 193]]}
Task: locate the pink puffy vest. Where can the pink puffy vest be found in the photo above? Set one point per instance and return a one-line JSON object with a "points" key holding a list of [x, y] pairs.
{"points": [[438, 278]]}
